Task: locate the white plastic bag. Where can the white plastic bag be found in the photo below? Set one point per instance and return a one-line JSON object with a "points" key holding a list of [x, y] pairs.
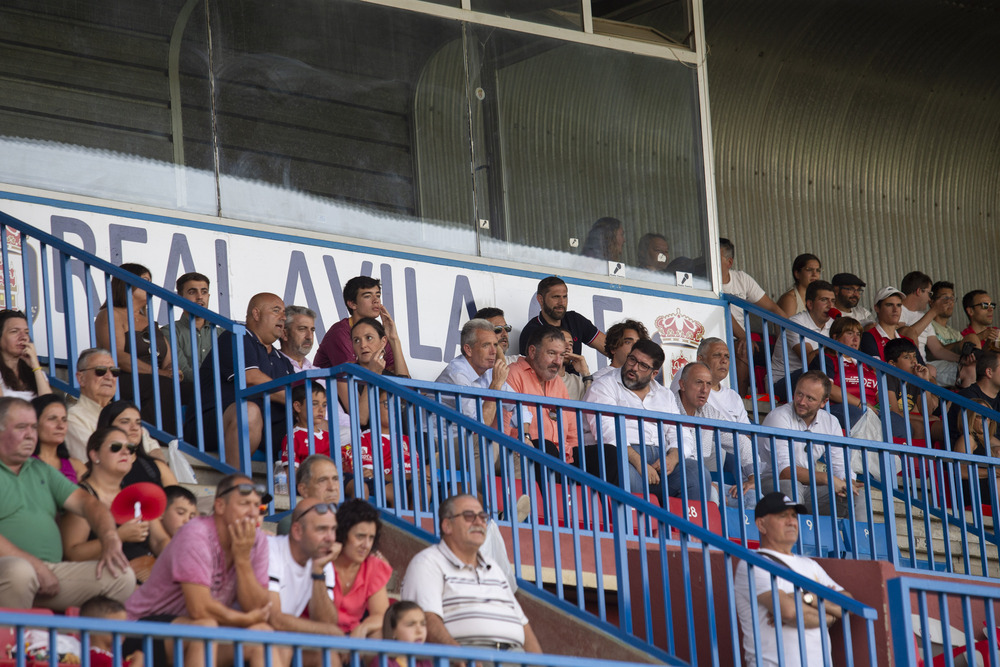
{"points": [[179, 465], [496, 549], [869, 427]]}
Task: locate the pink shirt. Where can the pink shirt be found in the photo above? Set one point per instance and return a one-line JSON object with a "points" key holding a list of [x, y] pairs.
{"points": [[523, 380], [372, 576], [194, 556], [337, 348]]}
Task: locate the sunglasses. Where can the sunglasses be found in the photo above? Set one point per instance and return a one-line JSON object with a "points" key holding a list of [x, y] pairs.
{"points": [[321, 509], [502, 327], [471, 516], [116, 447], [986, 305], [245, 489], [100, 371]]}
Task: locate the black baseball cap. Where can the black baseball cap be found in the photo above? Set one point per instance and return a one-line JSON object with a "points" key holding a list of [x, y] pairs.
{"points": [[845, 279], [776, 502]]}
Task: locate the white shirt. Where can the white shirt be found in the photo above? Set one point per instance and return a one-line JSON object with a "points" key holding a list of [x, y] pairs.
{"points": [[789, 634], [598, 374], [609, 390], [708, 440], [908, 318], [743, 286], [824, 424], [861, 314], [292, 582], [725, 400], [794, 349], [460, 372], [306, 365], [476, 603]]}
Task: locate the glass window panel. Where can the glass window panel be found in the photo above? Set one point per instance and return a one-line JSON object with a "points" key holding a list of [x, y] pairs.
{"points": [[572, 135], [648, 20], [324, 114], [559, 13], [88, 101]]}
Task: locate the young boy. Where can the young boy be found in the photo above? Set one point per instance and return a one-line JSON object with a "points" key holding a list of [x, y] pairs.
{"points": [[902, 353], [182, 506], [101, 649], [321, 435]]}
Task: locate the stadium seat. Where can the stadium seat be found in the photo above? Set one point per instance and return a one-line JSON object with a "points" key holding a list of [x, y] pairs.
{"points": [[864, 547], [733, 520], [807, 533]]}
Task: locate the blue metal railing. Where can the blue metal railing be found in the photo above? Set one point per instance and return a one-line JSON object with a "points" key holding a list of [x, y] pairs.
{"points": [[964, 614], [582, 534]]}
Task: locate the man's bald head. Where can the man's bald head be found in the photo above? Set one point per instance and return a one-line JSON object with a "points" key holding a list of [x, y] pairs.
{"points": [[266, 317]]}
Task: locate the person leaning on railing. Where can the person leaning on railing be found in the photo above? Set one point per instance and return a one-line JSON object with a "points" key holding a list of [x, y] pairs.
{"points": [[777, 519], [20, 373]]}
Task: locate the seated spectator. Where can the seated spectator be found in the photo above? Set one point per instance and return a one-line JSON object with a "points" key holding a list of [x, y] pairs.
{"points": [[209, 566], [618, 344], [495, 317], [97, 378], [51, 413], [915, 324], [537, 374], [741, 285], [579, 381], [980, 443], [805, 269], [848, 290], [32, 571], [693, 392], [316, 478], [321, 434], [605, 240], [194, 287], [464, 594], [363, 298], [134, 324], [986, 388], [553, 299], [902, 354], [124, 415], [653, 252], [980, 308], [370, 343], [888, 309], [805, 413], [714, 353], [777, 519], [297, 337], [634, 388], [943, 303], [101, 643], [110, 458], [301, 576], [405, 621], [182, 506], [362, 576], [816, 318], [264, 325], [21, 376]]}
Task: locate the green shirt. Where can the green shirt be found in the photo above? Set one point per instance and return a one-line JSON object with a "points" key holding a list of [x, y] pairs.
{"points": [[29, 502], [185, 359]]}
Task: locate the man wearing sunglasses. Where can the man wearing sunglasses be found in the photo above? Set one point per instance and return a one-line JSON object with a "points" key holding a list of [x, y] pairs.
{"points": [[210, 565], [300, 571], [462, 591], [32, 571], [496, 317], [980, 308], [97, 376]]}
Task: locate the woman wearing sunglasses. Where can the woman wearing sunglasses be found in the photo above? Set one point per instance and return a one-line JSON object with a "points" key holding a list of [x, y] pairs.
{"points": [[125, 415], [109, 459], [362, 575], [20, 373]]}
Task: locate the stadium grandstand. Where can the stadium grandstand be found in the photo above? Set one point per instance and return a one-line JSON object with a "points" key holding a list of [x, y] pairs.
{"points": [[781, 287]]}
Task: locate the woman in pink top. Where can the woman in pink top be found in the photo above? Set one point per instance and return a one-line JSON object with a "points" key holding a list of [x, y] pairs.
{"points": [[362, 576]]}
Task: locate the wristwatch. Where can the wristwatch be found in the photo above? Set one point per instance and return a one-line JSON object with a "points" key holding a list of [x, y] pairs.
{"points": [[809, 599]]}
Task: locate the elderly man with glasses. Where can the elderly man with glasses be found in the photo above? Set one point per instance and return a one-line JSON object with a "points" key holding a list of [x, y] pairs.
{"points": [[467, 599], [98, 379], [634, 387]]}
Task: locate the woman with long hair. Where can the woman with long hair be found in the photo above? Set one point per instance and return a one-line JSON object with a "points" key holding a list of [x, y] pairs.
{"points": [[605, 240], [805, 269], [51, 447], [125, 415], [21, 375]]}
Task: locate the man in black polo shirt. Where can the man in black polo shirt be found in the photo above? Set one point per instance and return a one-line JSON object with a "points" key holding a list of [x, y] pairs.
{"points": [[553, 297], [263, 362], [985, 388]]}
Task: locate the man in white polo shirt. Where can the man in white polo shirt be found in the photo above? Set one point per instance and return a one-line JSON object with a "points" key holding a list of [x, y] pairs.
{"points": [[816, 318], [714, 353], [463, 592]]}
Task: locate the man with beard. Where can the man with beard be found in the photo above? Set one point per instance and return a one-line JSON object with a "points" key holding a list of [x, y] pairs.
{"points": [[297, 339], [537, 374], [633, 387], [463, 592], [847, 290], [816, 318], [500, 327], [805, 413], [553, 298], [618, 343]]}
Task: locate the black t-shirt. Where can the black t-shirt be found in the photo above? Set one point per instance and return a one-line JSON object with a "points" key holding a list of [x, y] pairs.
{"points": [[582, 330], [255, 355], [974, 393]]}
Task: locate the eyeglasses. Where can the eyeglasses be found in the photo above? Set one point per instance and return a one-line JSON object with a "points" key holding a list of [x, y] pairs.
{"points": [[645, 368], [100, 371], [116, 447], [471, 516], [502, 327], [985, 305], [321, 509], [852, 290], [246, 489]]}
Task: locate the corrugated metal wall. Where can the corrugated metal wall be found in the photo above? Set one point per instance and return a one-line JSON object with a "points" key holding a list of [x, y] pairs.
{"points": [[865, 132]]}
